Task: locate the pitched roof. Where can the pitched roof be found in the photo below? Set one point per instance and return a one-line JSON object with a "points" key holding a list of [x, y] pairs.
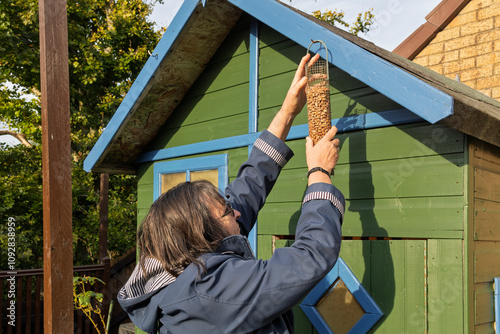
{"points": [[197, 32], [436, 21]]}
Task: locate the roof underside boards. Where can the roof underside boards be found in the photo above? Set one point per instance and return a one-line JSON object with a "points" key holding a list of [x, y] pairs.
{"points": [[189, 43], [197, 32]]}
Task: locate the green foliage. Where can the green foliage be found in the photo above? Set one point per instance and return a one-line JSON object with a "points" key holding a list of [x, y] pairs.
{"points": [[88, 301], [362, 24], [21, 189], [108, 43]]}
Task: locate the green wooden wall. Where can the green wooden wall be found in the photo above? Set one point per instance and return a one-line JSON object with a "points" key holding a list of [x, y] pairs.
{"points": [[217, 104], [405, 186]]}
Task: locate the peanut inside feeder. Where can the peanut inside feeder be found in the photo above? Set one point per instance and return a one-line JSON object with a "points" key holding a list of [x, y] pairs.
{"points": [[318, 97]]}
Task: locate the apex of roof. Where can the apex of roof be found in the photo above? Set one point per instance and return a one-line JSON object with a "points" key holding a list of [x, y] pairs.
{"points": [[197, 32]]}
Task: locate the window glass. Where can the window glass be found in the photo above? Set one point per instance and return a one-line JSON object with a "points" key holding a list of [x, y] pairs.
{"points": [[211, 175], [168, 174], [169, 181]]}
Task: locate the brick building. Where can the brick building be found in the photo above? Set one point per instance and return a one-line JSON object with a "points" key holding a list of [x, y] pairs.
{"points": [[461, 39]]}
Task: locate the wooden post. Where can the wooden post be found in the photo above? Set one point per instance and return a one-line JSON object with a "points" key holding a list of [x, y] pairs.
{"points": [[103, 242], [56, 165], [103, 216]]}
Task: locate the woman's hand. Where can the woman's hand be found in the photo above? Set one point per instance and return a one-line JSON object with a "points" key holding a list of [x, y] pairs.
{"points": [[296, 97], [294, 101], [324, 154]]}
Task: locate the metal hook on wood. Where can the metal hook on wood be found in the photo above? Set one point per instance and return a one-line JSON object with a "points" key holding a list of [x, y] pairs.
{"points": [[153, 55], [326, 54]]}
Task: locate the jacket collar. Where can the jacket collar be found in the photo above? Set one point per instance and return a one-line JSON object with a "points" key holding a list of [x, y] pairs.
{"points": [[236, 244]]}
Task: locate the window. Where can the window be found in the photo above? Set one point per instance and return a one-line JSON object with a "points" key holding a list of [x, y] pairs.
{"points": [[170, 173]]}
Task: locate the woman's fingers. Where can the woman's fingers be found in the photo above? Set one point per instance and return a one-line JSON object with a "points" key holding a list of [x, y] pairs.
{"points": [[330, 134], [313, 60], [301, 70], [300, 73]]}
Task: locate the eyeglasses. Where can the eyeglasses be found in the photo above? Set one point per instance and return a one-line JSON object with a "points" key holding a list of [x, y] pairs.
{"points": [[229, 210]]}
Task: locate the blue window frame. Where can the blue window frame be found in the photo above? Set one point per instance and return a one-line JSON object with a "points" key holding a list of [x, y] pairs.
{"points": [[341, 270], [187, 166]]}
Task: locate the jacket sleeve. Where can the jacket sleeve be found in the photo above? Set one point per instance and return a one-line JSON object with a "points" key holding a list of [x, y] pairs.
{"points": [[262, 290], [256, 177]]}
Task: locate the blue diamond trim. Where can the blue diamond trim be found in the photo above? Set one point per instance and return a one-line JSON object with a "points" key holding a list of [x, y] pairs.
{"points": [[342, 271]]}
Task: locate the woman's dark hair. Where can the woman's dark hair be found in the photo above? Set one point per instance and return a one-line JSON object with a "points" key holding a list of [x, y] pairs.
{"points": [[180, 227]]}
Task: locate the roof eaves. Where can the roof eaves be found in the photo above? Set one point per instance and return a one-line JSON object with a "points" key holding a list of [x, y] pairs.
{"points": [[361, 63], [140, 86]]}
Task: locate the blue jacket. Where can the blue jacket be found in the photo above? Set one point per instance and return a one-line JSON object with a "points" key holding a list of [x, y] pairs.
{"points": [[238, 293]]}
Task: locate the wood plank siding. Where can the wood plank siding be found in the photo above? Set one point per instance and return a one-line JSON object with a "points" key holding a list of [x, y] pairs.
{"points": [[484, 249]]}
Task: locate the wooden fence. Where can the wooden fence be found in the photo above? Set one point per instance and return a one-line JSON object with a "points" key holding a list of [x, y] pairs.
{"points": [[26, 309], [120, 273]]}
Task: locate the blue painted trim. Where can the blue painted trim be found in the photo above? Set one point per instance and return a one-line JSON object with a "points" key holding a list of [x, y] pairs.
{"points": [[365, 323], [254, 77], [358, 291], [203, 147], [342, 271], [324, 285], [362, 122], [119, 118], [412, 93], [253, 104], [252, 235], [219, 161], [344, 124], [224, 174], [316, 320], [496, 281]]}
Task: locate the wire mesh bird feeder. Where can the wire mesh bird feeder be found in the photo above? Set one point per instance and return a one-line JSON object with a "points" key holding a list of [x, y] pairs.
{"points": [[318, 96]]}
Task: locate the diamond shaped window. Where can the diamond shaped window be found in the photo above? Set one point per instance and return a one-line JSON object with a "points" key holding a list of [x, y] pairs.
{"points": [[339, 304]]}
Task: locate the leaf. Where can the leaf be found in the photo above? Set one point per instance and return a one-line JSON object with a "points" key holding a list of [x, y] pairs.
{"points": [[82, 301]]}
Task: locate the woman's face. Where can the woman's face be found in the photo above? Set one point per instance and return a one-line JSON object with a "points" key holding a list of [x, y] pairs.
{"points": [[228, 216]]}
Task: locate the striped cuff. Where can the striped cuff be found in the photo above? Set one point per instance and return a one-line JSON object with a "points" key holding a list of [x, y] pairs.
{"points": [[327, 196], [271, 152]]}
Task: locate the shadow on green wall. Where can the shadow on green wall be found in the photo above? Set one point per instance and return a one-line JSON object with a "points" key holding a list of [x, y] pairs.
{"points": [[382, 278]]}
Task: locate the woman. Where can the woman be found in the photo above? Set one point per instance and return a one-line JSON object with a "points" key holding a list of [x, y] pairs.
{"points": [[197, 273]]}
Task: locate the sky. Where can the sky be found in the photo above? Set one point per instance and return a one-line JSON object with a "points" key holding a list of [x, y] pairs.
{"points": [[395, 19]]}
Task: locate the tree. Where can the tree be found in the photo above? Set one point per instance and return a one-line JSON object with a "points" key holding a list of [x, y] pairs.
{"points": [[108, 46], [362, 23]]}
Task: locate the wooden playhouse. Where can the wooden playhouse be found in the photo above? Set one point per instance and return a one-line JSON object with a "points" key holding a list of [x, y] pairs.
{"points": [[419, 163]]}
